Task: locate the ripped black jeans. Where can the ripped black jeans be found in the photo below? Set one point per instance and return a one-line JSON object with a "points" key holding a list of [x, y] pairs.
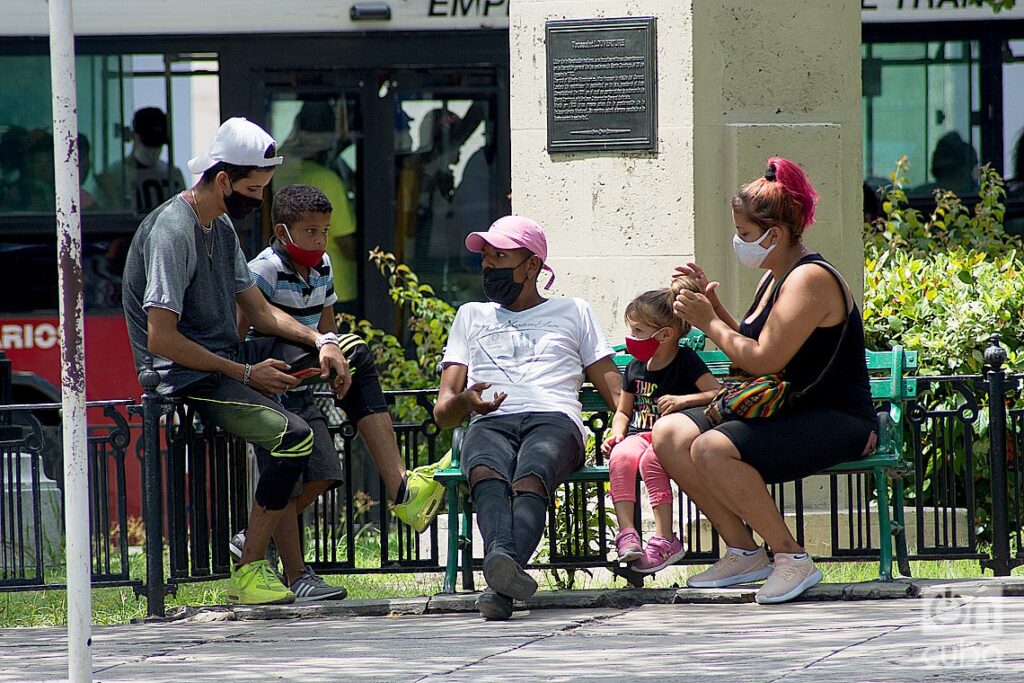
{"points": [[547, 446]]}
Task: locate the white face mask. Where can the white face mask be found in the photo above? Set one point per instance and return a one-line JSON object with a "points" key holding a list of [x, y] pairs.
{"points": [[751, 254], [145, 155]]}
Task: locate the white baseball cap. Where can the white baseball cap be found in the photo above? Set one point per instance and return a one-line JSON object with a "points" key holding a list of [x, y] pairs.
{"points": [[239, 142]]}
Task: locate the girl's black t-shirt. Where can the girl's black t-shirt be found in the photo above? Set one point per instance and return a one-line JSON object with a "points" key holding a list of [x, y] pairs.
{"points": [[678, 377]]}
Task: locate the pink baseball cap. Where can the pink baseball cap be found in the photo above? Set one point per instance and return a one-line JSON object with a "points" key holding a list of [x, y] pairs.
{"points": [[513, 232]]}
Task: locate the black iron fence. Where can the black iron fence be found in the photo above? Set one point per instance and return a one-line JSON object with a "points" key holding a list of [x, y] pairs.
{"points": [[965, 498], [32, 498]]}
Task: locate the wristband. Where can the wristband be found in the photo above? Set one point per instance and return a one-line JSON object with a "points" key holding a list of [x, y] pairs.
{"points": [[247, 374], [329, 338]]}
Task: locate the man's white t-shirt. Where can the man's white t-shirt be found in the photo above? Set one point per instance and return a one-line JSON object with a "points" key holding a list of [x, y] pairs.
{"points": [[536, 356]]}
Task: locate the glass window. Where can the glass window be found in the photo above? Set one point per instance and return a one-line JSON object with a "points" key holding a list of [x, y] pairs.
{"points": [[920, 100], [1013, 114], [445, 161], [132, 158], [320, 140], [132, 154]]}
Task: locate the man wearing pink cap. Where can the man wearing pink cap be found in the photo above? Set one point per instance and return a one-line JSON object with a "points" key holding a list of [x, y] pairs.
{"points": [[530, 355]]}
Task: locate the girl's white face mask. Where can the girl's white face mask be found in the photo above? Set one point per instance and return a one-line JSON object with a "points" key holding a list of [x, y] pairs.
{"points": [[751, 254]]}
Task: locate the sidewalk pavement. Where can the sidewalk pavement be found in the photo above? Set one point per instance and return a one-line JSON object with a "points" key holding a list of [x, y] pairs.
{"points": [[952, 631]]}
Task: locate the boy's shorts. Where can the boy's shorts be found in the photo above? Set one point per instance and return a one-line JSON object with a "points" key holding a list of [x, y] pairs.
{"points": [[324, 463], [363, 398]]}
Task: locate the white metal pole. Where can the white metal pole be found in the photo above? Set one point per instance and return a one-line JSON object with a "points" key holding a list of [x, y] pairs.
{"points": [[72, 342]]}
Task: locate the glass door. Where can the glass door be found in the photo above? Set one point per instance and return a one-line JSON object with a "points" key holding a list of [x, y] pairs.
{"points": [[320, 137], [922, 100], [448, 179]]}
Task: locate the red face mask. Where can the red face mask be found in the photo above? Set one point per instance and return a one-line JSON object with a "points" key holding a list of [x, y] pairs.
{"points": [[303, 257], [642, 349]]}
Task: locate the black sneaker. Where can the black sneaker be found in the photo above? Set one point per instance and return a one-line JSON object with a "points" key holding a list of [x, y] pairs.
{"points": [[505, 576], [494, 606], [310, 587]]}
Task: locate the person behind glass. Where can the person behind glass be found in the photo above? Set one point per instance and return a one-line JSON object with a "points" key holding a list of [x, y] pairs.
{"points": [[311, 148], [143, 181], [803, 324], [526, 433], [954, 167], [1014, 222], [662, 378], [1015, 182]]}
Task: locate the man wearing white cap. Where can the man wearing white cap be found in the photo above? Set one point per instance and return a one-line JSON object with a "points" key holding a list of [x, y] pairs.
{"points": [[530, 354], [184, 276]]}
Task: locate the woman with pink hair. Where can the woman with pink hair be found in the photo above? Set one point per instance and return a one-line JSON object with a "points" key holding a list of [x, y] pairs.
{"points": [[804, 325]]}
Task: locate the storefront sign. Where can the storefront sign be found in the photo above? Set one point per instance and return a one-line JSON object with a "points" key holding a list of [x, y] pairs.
{"points": [[28, 17], [887, 11], [602, 84]]}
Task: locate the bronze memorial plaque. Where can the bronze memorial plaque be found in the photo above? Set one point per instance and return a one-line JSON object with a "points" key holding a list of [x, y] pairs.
{"points": [[602, 85]]}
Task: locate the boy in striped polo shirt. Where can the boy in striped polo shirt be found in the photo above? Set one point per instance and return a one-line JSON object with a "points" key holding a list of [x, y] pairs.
{"points": [[294, 274]]}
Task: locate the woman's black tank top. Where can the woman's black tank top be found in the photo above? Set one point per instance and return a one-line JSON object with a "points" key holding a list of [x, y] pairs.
{"points": [[845, 386]]}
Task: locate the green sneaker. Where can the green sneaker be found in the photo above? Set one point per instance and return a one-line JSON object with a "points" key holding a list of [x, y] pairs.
{"points": [[256, 584], [423, 495]]}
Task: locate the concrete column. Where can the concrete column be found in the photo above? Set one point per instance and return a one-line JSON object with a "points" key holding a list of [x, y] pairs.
{"points": [[738, 81]]}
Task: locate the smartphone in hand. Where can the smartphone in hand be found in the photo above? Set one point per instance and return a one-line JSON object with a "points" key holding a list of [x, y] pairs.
{"points": [[303, 374], [307, 376]]}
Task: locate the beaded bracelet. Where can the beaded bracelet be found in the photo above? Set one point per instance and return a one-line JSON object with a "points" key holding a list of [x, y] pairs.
{"points": [[246, 374]]}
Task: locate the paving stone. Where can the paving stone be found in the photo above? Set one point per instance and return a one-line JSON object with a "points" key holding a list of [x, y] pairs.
{"points": [[333, 608], [947, 636]]}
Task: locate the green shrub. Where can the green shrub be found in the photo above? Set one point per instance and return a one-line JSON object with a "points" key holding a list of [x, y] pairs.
{"points": [[429, 319], [942, 284]]}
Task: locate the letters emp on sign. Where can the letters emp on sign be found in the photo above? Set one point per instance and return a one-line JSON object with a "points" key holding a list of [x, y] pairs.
{"points": [[602, 84]]}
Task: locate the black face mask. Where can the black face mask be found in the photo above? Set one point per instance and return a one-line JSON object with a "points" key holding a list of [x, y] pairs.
{"points": [[500, 284], [239, 205]]}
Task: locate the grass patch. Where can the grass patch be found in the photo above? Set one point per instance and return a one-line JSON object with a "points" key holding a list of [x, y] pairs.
{"points": [[120, 606]]}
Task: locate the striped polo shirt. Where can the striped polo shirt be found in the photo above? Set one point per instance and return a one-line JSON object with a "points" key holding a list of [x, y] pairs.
{"points": [[304, 300]]}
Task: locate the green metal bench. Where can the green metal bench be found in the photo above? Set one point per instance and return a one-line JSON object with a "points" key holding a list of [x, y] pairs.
{"points": [[889, 385]]}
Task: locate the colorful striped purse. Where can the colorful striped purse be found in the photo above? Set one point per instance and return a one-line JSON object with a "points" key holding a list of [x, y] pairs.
{"points": [[748, 398]]}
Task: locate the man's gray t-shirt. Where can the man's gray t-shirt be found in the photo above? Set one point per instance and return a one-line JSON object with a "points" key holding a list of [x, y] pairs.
{"points": [[172, 265]]}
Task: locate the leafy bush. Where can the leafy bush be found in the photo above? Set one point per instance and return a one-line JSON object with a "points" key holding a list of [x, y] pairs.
{"points": [[428, 323], [942, 284]]}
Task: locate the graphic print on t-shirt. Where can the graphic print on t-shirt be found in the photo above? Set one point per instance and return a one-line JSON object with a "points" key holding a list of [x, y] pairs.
{"points": [[512, 351], [645, 407]]}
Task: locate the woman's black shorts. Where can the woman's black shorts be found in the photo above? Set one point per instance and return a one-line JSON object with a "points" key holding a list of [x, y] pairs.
{"points": [[793, 446]]}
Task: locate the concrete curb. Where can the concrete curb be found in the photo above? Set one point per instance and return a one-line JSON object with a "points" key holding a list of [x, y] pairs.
{"points": [[620, 598]]}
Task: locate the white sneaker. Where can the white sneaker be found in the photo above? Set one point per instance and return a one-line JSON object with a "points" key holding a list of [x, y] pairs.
{"points": [[733, 570], [789, 579]]}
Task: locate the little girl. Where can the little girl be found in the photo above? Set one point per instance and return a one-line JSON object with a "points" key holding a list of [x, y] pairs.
{"points": [[663, 378]]}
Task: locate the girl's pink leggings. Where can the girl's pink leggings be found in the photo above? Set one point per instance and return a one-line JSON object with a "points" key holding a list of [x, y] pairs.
{"points": [[632, 453]]}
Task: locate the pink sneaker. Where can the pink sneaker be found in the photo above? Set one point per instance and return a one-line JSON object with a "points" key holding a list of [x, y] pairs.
{"points": [[627, 545], [660, 553]]}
